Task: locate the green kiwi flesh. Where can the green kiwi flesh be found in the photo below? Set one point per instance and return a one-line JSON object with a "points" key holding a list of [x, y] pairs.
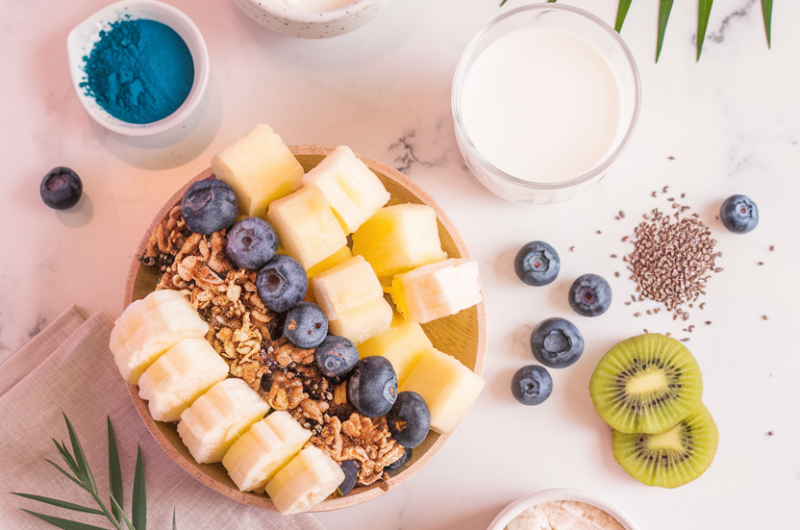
{"points": [[672, 458], [646, 384]]}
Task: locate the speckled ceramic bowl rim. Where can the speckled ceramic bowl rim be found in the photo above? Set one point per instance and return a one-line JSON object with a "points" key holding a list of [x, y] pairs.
{"points": [[314, 17], [561, 494], [175, 19]]}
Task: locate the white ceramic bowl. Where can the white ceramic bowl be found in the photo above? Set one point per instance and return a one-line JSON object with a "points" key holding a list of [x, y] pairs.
{"points": [[565, 494], [586, 26], [83, 37], [308, 24]]}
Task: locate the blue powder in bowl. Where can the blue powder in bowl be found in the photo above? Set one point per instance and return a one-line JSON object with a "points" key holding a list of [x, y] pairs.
{"points": [[140, 71]]}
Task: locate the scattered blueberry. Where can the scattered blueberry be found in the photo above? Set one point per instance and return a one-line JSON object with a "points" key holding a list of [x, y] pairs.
{"points": [[556, 343], [537, 263], [409, 419], [306, 325], [61, 188], [372, 387], [282, 283], [403, 460], [531, 385], [590, 295], [739, 214], [209, 206], [336, 356], [252, 242], [350, 468]]}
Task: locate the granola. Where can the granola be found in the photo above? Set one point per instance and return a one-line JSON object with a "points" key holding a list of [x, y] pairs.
{"points": [[249, 337]]}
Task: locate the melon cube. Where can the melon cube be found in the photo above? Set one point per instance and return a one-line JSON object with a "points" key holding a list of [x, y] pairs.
{"points": [[260, 169], [363, 322], [352, 298], [448, 387], [353, 191], [403, 345], [179, 377], [399, 238], [306, 226], [346, 286], [340, 256], [437, 290]]}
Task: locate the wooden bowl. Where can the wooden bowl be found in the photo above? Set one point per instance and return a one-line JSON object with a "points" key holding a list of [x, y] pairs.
{"points": [[462, 335]]}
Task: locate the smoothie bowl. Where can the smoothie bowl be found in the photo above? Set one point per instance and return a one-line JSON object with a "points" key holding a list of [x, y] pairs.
{"points": [[544, 100], [239, 398]]}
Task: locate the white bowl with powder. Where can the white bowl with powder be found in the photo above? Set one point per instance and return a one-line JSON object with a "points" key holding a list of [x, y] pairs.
{"points": [[85, 35], [311, 19], [562, 509]]}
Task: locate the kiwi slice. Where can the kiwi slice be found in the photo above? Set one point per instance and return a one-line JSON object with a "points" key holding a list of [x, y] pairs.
{"points": [[672, 458], [646, 384]]}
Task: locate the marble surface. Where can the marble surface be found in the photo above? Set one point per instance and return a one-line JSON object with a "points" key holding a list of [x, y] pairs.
{"points": [[727, 124]]}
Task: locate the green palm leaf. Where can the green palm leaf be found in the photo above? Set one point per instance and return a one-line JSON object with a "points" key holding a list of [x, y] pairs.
{"points": [[766, 10], [664, 9], [80, 456], [139, 507], [174, 525], [58, 503], [117, 506], [114, 471], [703, 12], [66, 474], [622, 12], [64, 524]]}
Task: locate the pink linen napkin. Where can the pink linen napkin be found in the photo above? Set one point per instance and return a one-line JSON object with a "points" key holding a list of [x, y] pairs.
{"points": [[69, 368]]}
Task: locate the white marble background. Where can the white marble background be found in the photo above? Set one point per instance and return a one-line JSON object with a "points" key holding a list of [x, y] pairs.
{"points": [[731, 122]]}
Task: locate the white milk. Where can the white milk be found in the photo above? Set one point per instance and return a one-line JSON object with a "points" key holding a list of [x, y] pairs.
{"points": [[313, 5], [543, 105]]}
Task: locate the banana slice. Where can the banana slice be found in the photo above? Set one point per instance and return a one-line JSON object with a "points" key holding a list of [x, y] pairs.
{"points": [[305, 481], [257, 456], [149, 327], [179, 377], [218, 418], [437, 290]]}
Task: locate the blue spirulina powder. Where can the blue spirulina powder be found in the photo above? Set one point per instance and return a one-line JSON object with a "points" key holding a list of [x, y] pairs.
{"points": [[140, 71]]}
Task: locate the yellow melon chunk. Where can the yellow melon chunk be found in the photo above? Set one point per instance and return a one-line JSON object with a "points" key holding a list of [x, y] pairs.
{"points": [[340, 256], [448, 387], [354, 192], [259, 168], [399, 238], [351, 297], [363, 322], [404, 345], [306, 226]]}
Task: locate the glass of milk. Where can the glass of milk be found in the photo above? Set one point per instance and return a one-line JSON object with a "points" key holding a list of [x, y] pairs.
{"points": [[544, 100]]}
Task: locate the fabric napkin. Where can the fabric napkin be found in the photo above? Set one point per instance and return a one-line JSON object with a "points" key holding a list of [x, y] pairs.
{"points": [[68, 368]]}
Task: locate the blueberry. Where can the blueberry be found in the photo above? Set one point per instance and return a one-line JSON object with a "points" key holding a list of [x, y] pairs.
{"points": [[336, 357], [208, 206], [306, 325], [739, 214], [590, 295], [252, 242], [531, 385], [350, 468], [409, 419], [282, 283], [372, 387], [556, 343], [537, 263], [61, 188], [403, 460]]}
